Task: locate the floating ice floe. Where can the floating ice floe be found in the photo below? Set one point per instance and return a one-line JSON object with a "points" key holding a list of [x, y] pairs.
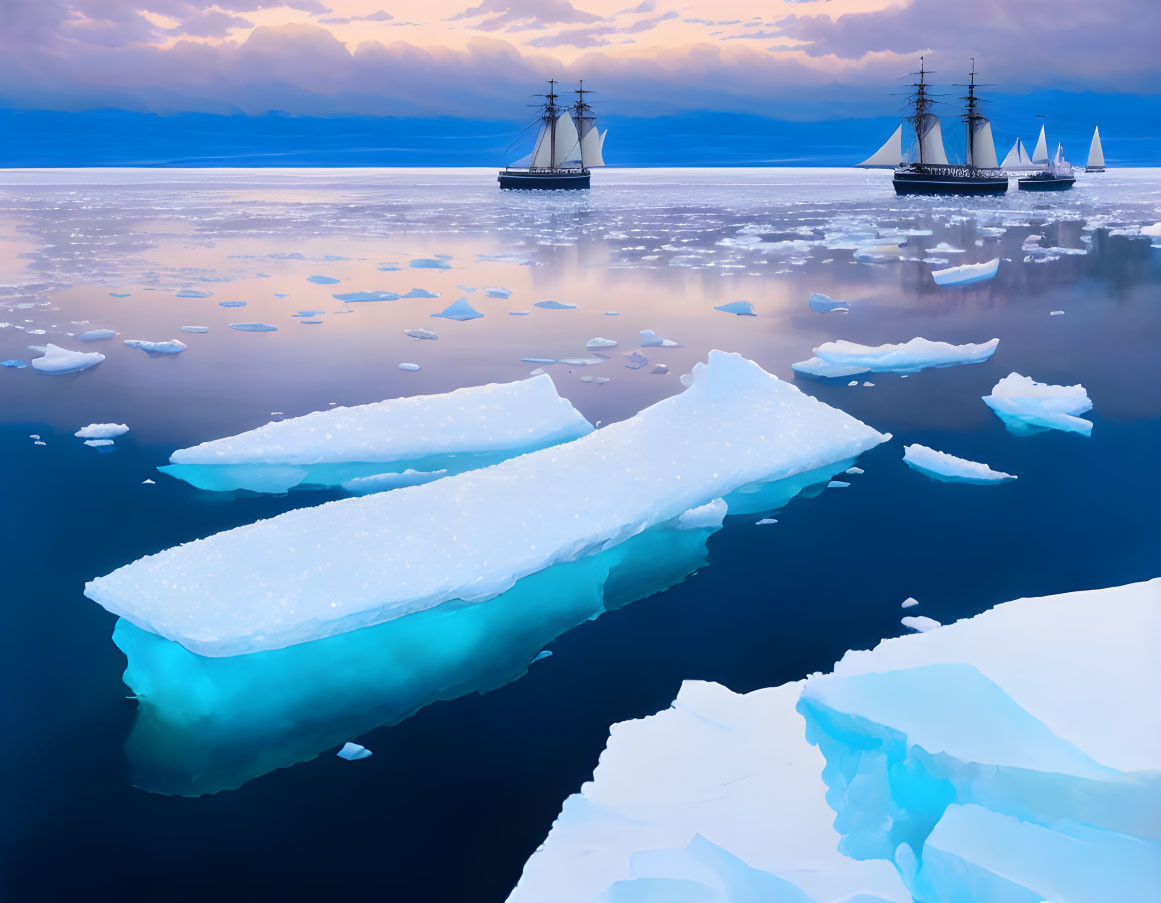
{"points": [[919, 623], [659, 369], [824, 304], [468, 536], [854, 470], [950, 469], [1056, 313], [967, 274], [173, 346], [365, 297], [1006, 757], [118, 294], [254, 327], [842, 358], [838, 484], [420, 293], [352, 752], [430, 263], [322, 280], [13, 364], [542, 655], [600, 342], [421, 334], [97, 335], [307, 314], [519, 313], [650, 339], [198, 329], [191, 293], [766, 521], [55, 359], [741, 308], [99, 443], [1027, 406], [459, 310], [567, 361], [944, 248], [636, 361], [450, 432], [231, 303], [101, 431], [909, 602], [554, 305], [409, 366], [495, 291]]}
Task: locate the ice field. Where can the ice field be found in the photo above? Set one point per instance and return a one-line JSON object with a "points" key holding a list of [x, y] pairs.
{"points": [[392, 495]]}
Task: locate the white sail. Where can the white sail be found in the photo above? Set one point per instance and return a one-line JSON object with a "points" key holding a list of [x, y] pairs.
{"points": [[603, 134], [1024, 158], [889, 155], [542, 151], [1012, 158], [590, 146], [981, 149], [1040, 155], [568, 150], [1096, 153], [931, 149]]}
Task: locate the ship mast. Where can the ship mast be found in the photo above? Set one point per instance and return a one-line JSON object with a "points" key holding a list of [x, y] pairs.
{"points": [[971, 116], [923, 103], [583, 114], [550, 113]]}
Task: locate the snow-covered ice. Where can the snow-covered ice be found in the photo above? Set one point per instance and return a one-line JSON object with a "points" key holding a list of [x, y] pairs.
{"points": [[854, 470], [1004, 758], [919, 623], [909, 602], [421, 334], [1027, 406], [173, 346], [471, 536], [842, 358], [101, 431], [950, 469], [55, 359], [459, 310], [352, 752], [967, 274], [454, 431], [649, 339], [97, 335], [741, 308]]}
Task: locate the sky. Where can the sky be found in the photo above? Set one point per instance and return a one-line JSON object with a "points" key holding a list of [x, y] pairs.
{"points": [[791, 61]]}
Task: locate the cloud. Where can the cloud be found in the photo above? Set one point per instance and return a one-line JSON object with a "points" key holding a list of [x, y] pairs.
{"points": [[521, 14], [212, 23], [380, 16], [599, 35]]}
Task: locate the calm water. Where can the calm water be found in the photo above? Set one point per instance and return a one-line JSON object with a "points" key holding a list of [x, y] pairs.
{"points": [[458, 795]]}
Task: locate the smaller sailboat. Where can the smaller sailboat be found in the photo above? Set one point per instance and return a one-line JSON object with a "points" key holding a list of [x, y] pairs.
{"points": [[1056, 175], [567, 145], [1096, 153], [1017, 159]]}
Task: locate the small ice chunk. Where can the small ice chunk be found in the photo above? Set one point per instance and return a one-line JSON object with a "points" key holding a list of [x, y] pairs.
{"points": [[1027, 406], [38, 442], [542, 655], [231, 303], [650, 339], [539, 371], [854, 470], [96, 335], [387, 268], [147, 483], [15, 365], [365, 297], [636, 361], [60, 360], [1051, 313], [587, 379], [824, 304], [409, 366], [950, 469], [459, 310], [967, 274], [254, 327], [173, 346], [600, 342], [909, 602], [429, 263], [853, 382], [766, 520], [307, 314], [322, 280], [420, 293], [519, 313], [353, 752], [420, 334], [101, 431], [118, 294], [660, 369], [837, 484], [868, 384], [919, 623], [601, 380], [98, 443], [495, 291], [195, 329], [612, 313], [190, 293], [554, 305], [741, 308], [944, 248]]}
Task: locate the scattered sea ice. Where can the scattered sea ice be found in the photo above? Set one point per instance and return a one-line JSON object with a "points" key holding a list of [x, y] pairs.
{"points": [[353, 752], [96, 335], [650, 339], [253, 327], [420, 293], [919, 623], [824, 304], [966, 274], [231, 303], [322, 280], [101, 431], [173, 346], [420, 333], [766, 520], [429, 263], [459, 310], [411, 368], [190, 293], [842, 358], [364, 297], [636, 361], [741, 308], [554, 305], [60, 360], [909, 602]]}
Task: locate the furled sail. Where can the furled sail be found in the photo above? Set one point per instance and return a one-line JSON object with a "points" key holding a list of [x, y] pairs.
{"points": [[590, 145], [1096, 153], [568, 150], [542, 151], [981, 148], [931, 149], [889, 155], [1040, 155]]}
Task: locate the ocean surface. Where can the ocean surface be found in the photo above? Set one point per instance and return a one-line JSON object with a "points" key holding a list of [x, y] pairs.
{"points": [[471, 762]]}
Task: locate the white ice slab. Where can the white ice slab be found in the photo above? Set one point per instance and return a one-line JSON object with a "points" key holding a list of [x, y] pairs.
{"points": [[1027, 406], [842, 358], [967, 274], [471, 536], [173, 346], [950, 469], [101, 431], [60, 360]]}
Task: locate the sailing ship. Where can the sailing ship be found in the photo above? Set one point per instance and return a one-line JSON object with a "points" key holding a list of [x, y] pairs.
{"points": [[1056, 175], [568, 144], [1096, 153], [930, 172]]}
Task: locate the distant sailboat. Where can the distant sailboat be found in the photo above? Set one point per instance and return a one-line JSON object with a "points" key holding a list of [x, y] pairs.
{"points": [[1096, 154], [567, 145], [1054, 176], [1017, 159]]}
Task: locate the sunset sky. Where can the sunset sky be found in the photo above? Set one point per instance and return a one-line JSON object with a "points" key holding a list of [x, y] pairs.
{"points": [[810, 61]]}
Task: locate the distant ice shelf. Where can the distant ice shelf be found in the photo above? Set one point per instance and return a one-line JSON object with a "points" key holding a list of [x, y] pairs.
{"points": [[448, 433], [471, 536], [1007, 758], [1027, 406], [834, 360], [950, 469]]}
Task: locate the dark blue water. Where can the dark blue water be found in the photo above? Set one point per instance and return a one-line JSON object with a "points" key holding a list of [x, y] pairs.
{"points": [[457, 796]]}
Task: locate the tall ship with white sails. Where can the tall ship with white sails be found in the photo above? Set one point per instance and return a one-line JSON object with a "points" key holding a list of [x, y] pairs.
{"points": [[929, 171], [568, 145]]}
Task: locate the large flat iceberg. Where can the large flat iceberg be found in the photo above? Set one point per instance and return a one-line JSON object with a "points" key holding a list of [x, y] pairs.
{"points": [[842, 358], [1013, 757], [1027, 406], [353, 563], [452, 432]]}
